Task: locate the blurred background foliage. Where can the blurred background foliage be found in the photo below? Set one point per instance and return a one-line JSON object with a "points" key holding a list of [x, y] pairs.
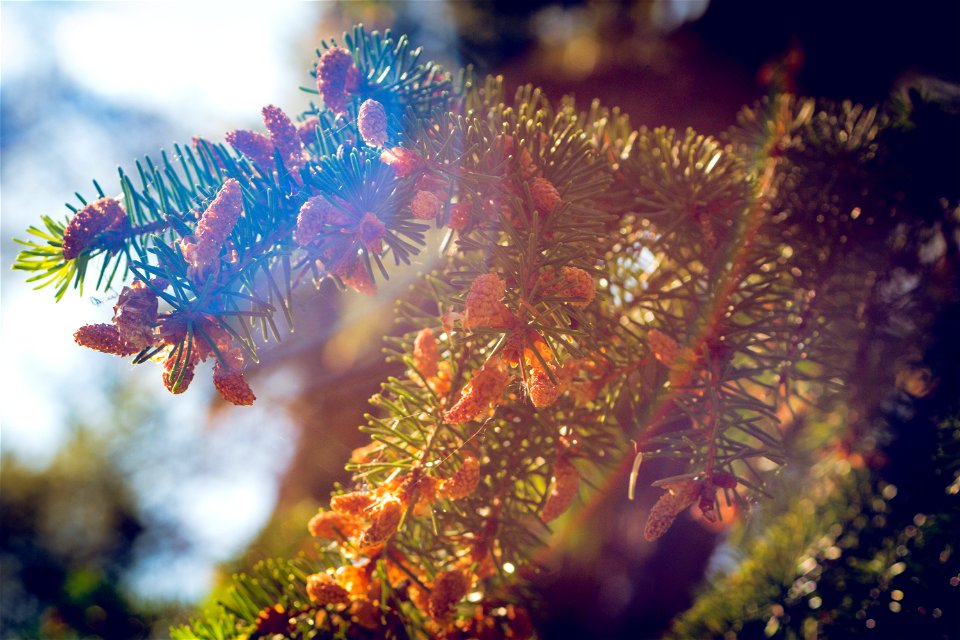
{"points": [[109, 524]]}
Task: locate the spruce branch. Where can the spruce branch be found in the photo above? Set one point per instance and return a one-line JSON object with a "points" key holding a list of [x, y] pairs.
{"points": [[597, 285]]}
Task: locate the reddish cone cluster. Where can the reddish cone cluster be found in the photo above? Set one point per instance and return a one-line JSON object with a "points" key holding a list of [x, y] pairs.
{"points": [[337, 79], [91, 224], [134, 320], [104, 338], [324, 590], [284, 138], [184, 355], [545, 196]]}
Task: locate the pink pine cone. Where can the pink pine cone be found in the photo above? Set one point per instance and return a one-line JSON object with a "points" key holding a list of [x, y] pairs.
{"points": [[372, 123]]}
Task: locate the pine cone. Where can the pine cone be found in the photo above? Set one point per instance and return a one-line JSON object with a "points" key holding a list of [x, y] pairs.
{"points": [[462, 483], [324, 590], [87, 225], [426, 353], [104, 338], [337, 78], [564, 486], [372, 123]]}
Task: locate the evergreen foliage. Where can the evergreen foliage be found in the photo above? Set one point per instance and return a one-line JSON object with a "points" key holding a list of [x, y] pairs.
{"points": [[598, 284]]}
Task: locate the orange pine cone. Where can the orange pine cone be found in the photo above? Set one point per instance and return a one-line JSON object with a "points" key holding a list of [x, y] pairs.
{"points": [[425, 205], [542, 391], [386, 519], [372, 123], [564, 486], [178, 371], [337, 78], [665, 349], [314, 213], [462, 483], [678, 497], [355, 502], [333, 525], [104, 338], [449, 587], [426, 353], [257, 147], [324, 590], [484, 303], [485, 388], [202, 250], [545, 196]]}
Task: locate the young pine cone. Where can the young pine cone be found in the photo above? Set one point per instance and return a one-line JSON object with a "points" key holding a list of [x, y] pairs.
{"points": [[464, 481], [101, 216], [314, 213], [386, 519], [324, 590], [403, 161], [678, 497], [333, 525], [426, 353], [337, 78], [284, 136], [545, 196], [563, 489], [135, 314], [202, 250], [257, 147], [449, 587], [104, 338], [575, 283], [484, 389], [485, 306], [542, 390], [665, 349], [179, 368], [355, 503], [425, 205], [372, 123]]}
